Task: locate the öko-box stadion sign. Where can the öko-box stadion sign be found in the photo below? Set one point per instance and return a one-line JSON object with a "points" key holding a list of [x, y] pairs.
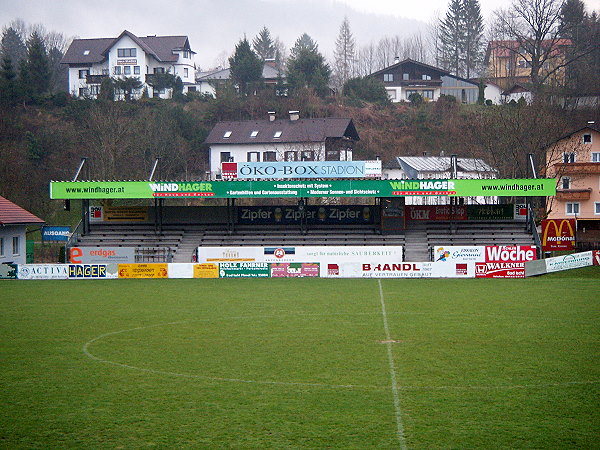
{"points": [[300, 169]]}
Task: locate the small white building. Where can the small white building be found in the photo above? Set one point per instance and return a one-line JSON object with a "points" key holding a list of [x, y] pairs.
{"points": [[439, 168], [290, 139], [91, 60], [13, 227]]}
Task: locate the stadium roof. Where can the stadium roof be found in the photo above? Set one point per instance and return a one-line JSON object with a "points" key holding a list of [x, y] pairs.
{"points": [[441, 164], [11, 214]]}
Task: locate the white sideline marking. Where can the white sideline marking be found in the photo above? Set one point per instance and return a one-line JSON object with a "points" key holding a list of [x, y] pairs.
{"points": [[399, 423]]}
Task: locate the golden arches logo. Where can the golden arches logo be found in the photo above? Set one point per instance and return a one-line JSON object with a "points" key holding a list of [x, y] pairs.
{"points": [[558, 240]]}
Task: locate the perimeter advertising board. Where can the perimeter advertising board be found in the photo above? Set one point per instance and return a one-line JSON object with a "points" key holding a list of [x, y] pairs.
{"points": [[294, 270], [143, 270], [305, 254], [8, 271], [295, 189], [572, 261], [244, 270], [505, 261], [99, 255], [558, 234], [300, 169], [401, 270], [438, 212], [42, 272], [93, 271]]}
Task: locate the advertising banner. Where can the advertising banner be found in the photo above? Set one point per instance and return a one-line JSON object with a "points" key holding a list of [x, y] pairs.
{"points": [[505, 261], [462, 254], [520, 213], [401, 270], [572, 261], [313, 214], [490, 212], [125, 213], [55, 233], [8, 271], [143, 270], [315, 254], [96, 255], [294, 188], [596, 257], [438, 212], [300, 169], [295, 270], [244, 269], [42, 272], [96, 214], [558, 234], [93, 271], [206, 271]]}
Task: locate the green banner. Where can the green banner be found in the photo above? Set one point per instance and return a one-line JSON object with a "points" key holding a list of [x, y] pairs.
{"points": [[307, 188], [491, 212]]}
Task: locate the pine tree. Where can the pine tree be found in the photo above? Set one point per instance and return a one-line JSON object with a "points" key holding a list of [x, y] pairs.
{"points": [[245, 66], [263, 45], [9, 91], [452, 36], [13, 47], [473, 26], [304, 42], [344, 54], [35, 73], [307, 68]]}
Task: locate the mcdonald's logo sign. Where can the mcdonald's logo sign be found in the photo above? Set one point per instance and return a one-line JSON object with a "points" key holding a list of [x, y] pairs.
{"points": [[558, 234]]}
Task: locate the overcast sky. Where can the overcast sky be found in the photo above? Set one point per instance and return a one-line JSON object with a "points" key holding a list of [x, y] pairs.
{"points": [[215, 26]]}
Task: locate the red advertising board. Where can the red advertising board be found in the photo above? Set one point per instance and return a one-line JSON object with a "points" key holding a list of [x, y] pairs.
{"points": [[440, 212], [596, 257], [505, 261], [558, 234]]}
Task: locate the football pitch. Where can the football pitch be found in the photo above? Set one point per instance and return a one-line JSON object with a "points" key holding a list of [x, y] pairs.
{"points": [[301, 363]]}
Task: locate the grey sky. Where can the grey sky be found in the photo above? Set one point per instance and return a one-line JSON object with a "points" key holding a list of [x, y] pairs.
{"points": [[214, 27]]}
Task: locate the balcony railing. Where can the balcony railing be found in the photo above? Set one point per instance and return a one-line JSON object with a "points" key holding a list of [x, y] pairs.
{"points": [[95, 79], [573, 194], [584, 168]]}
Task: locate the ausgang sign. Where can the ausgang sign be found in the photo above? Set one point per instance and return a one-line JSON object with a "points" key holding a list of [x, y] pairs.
{"points": [[300, 169], [558, 234]]}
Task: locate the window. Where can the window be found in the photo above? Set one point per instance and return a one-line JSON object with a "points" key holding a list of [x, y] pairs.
{"points": [[126, 52], [227, 135], [83, 74], [136, 70], [596, 211], [94, 89], [226, 157], [572, 209], [105, 72], [587, 138], [86, 52], [159, 70], [307, 155], [569, 157], [277, 134], [254, 134], [127, 70], [253, 157], [405, 76], [566, 183], [388, 77], [83, 92], [117, 70], [428, 94], [186, 54], [1, 246], [596, 157], [289, 156], [270, 156], [16, 245], [425, 77], [332, 155], [186, 72]]}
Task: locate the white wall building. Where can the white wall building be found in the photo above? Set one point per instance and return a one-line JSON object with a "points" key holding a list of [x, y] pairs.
{"points": [[293, 139], [91, 60], [13, 227]]}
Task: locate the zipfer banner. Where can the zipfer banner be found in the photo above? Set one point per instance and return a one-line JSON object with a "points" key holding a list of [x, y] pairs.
{"points": [[306, 188]]}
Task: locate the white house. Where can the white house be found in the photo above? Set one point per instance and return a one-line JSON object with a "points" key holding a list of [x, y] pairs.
{"points": [[13, 227], [439, 168], [290, 139], [91, 60]]}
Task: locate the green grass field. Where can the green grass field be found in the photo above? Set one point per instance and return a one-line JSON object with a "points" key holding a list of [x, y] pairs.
{"points": [[301, 363]]}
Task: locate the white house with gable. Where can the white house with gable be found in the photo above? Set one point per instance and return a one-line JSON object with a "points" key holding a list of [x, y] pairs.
{"points": [[91, 60]]}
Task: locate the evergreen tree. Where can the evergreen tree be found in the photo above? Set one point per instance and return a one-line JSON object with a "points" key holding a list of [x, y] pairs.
{"points": [[13, 47], [107, 89], [367, 88], [35, 73], [344, 54], [245, 67], [473, 25], [452, 37], [263, 45], [9, 90], [128, 85], [307, 67]]}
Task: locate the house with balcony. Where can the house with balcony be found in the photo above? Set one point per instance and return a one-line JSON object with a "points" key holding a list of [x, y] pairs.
{"points": [[127, 55], [287, 139], [574, 160]]}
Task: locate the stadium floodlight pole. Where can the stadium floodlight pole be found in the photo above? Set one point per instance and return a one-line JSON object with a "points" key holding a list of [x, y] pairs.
{"points": [[83, 160], [532, 165], [154, 169]]}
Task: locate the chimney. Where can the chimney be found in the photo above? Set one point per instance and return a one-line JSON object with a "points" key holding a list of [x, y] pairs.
{"points": [[396, 60], [294, 115], [271, 116]]}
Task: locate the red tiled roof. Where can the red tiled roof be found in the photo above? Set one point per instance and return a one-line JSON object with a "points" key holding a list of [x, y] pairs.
{"points": [[14, 214]]}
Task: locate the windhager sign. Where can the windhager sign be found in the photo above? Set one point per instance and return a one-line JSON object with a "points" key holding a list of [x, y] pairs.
{"points": [[558, 234], [505, 261], [300, 188]]}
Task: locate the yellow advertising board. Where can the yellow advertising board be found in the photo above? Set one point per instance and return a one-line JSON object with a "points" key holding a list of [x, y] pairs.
{"points": [[143, 270], [125, 214], [206, 271]]}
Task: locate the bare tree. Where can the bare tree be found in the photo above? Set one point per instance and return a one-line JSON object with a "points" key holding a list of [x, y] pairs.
{"points": [[344, 55]]}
